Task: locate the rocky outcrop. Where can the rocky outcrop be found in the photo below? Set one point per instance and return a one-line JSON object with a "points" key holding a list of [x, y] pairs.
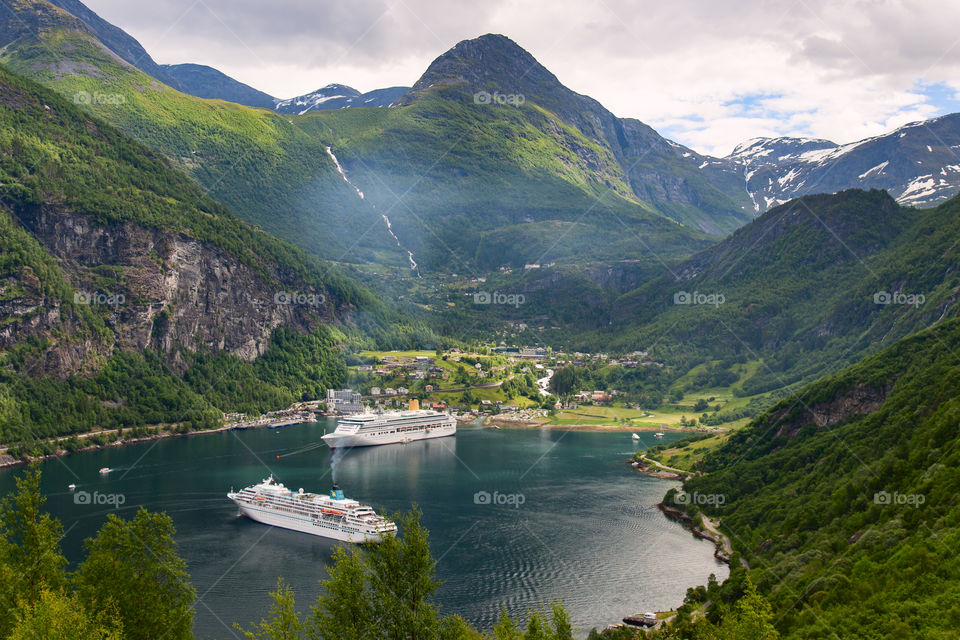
{"points": [[156, 289], [858, 400]]}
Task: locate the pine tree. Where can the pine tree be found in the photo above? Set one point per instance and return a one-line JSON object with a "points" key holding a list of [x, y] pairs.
{"points": [[134, 565], [30, 557]]}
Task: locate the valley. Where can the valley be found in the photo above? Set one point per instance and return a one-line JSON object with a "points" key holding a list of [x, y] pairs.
{"points": [[762, 345]]}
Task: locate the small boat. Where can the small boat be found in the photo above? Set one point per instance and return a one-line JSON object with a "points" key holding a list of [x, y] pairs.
{"points": [[658, 434], [105, 470], [71, 486], [635, 436]]}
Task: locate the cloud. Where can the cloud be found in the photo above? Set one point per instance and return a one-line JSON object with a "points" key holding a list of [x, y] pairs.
{"points": [[707, 73]]}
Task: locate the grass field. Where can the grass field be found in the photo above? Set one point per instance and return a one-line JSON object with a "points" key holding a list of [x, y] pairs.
{"points": [[685, 457]]}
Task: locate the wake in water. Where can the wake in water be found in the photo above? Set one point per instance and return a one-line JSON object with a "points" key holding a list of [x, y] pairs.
{"points": [[413, 263], [310, 447], [335, 459]]}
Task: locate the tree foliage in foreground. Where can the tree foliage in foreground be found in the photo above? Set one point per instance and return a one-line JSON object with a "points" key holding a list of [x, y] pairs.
{"points": [[131, 585]]}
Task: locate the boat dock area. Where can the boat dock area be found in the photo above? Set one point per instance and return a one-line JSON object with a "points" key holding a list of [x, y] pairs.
{"points": [[273, 422]]}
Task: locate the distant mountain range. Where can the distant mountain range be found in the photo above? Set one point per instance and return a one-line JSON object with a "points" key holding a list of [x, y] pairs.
{"points": [[918, 164], [338, 96]]}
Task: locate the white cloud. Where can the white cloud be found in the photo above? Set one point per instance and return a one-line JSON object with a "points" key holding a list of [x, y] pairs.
{"points": [[708, 73]]}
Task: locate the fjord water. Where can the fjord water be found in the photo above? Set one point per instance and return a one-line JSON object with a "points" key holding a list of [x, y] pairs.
{"points": [[574, 521]]}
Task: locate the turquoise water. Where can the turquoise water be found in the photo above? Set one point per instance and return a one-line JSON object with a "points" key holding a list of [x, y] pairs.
{"points": [[573, 522]]}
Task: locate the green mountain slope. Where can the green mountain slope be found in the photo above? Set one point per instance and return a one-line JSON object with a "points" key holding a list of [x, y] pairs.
{"points": [[256, 162], [844, 498], [130, 298], [485, 186], [467, 175], [802, 287]]}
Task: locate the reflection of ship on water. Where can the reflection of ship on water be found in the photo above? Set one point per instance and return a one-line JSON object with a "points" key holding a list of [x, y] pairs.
{"points": [[354, 463]]}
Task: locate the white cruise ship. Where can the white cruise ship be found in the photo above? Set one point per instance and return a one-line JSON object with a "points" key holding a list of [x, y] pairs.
{"points": [[368, 429], [330, 516]]}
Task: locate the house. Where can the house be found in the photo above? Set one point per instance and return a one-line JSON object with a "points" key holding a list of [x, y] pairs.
{"points": [[389, 391], [374, 391], [402, 391], [428, 388]]}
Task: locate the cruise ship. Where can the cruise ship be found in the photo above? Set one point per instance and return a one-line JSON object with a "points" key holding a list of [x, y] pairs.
{"points": [[332, 516], [368, 429]]}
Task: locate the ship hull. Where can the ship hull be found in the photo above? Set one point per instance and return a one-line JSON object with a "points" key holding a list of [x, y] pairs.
{"points": [[303, 524], [347, 440]]}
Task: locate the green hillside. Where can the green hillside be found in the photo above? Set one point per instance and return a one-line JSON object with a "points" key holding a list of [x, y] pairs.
{"points": [[87, 213], [843, 499], [255, 162], [465, 185], [797, 288]]}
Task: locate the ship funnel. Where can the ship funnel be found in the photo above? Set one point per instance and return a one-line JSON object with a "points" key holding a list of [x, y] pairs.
{"points": [[414, 404], [336, 493]]}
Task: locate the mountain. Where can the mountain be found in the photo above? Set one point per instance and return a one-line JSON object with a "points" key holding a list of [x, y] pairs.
{"points": [[916, 163], [672, 179], [520, 184], [843, 499], [206, 82], [254, 161], [197, 80], [128, 297], [809, 286], [115, 39], [338, 96]]}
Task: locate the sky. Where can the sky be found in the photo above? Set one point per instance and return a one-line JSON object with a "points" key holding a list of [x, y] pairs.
{"points": [[706, 73]]}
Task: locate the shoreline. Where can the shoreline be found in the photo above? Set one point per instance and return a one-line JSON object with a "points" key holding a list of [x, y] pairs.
{"points": [[618, 428], [722, 548], [7, 460]]}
